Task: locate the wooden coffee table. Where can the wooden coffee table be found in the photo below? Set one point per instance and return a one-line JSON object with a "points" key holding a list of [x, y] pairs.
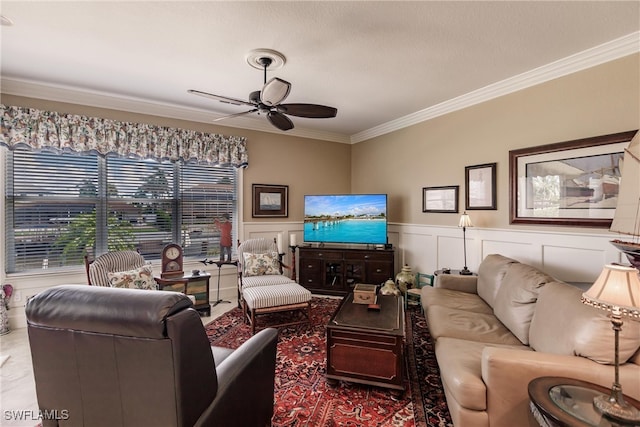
{"points": [[366, 346]]}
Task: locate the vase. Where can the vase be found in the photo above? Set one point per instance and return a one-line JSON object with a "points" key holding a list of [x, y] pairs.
{"points": [[389, 288], [405, 279]]}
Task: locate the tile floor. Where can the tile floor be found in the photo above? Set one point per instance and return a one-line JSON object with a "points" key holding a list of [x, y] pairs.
{"points": [[18, 392]]}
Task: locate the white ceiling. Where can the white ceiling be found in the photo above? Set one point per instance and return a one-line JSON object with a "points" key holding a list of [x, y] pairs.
{"points": [[383, 65]]}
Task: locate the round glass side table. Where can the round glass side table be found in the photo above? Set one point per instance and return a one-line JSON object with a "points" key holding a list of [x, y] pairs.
{"points": [[564, 402]]}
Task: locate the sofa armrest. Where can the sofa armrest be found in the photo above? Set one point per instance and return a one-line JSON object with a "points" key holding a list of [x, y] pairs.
{"points": [[247, 375], [507, 372], [456, 282]]}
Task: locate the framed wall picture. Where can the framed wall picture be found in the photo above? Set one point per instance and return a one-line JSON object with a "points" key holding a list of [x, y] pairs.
{"points": [[571, 183], [440, 199], [480, 188], [270, 201]]}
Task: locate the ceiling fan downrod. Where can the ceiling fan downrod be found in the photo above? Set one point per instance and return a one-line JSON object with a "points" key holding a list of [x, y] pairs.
{"points": [[265, 61]]}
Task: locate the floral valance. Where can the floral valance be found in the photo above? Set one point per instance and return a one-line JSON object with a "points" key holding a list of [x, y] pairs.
{"points": [[47, 130]]}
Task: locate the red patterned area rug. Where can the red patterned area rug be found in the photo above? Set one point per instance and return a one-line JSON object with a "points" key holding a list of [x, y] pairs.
{"points": [[303, 397]]}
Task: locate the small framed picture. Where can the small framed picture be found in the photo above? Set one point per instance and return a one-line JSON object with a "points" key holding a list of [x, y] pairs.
{"points": [[440, 199], [480, 188], [270, 201]]}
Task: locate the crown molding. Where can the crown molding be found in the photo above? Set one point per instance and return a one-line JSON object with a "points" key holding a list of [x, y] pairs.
{"points": [[73, 95], [615, 49]]}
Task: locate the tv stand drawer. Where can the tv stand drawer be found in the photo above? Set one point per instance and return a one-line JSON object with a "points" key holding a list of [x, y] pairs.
{"points": [[322, 253]]}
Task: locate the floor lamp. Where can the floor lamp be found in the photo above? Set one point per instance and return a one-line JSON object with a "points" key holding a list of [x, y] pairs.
{"points": [[616, 290], [465, 221]]}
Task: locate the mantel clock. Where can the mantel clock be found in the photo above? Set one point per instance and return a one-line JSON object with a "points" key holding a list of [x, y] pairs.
{"points": [[172, 261]]}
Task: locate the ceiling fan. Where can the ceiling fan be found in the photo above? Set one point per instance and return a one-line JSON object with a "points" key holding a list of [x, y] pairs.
{"points": [[268, 102]]}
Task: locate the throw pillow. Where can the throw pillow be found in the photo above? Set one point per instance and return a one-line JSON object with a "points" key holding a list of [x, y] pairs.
{"points": [[260, 264], [139, 278]]}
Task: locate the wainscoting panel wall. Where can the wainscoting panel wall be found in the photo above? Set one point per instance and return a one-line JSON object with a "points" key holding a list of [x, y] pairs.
{"points": [[522, 251], [415, 246], [561, 261], [572, 257], [450, 252]]}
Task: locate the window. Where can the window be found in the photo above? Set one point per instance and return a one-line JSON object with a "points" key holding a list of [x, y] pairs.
{"points": [[60, 207]]}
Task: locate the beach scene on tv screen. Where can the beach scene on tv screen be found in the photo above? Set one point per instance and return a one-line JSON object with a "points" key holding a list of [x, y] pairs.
{"points": [[357, 218]]}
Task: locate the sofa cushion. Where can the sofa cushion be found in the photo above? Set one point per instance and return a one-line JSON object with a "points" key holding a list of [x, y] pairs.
{"points": [[562, 324], [453, 299], [460, 363], [268, 280], [452, 323], [276, 295], [490, 274], [515, 301]]}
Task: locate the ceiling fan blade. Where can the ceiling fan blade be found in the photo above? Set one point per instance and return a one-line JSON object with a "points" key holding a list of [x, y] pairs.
{"points": [[275, 91], [235, 115], [225, 99], [279, 120], [312, 111]]}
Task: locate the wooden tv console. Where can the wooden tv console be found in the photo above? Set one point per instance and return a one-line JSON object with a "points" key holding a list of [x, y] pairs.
{"points": [[335, 271]]}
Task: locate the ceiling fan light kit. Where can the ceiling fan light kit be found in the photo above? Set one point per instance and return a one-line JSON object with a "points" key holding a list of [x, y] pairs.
{"points": [[274, 91]]}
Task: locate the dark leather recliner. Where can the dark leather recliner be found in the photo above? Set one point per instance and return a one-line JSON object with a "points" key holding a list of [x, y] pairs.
{"points": [[126, 357]]}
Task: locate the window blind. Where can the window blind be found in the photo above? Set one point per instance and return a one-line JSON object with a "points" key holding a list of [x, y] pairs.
{"points": [[60, 207]]}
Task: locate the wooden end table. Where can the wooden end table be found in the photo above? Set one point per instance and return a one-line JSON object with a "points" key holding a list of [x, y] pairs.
{"points": [[366, 346], [198, 286], [567, 402]]}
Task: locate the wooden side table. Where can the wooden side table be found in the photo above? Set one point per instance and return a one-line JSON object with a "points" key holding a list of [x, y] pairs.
{"points": [[198, 286], [567, 402]]}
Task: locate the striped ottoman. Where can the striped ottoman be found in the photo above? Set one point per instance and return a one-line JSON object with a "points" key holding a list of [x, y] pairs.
{"points": [[275, 298]]}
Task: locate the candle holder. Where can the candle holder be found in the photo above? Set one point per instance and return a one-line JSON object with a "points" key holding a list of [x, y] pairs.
{"points": [[293, 261]]}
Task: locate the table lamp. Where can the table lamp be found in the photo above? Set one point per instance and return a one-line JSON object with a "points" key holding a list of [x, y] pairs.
{"points": [[465, 222], [616, 290]]}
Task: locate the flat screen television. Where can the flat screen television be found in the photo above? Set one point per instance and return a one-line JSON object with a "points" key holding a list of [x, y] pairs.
{"points": [[345, 218]]}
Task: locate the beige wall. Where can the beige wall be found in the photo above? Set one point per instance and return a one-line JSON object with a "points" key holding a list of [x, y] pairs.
{"points": [[597, 101], [307, 166]]}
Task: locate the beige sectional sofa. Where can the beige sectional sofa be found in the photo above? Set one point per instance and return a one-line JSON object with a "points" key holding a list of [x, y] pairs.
{"points": [[512, 323]]}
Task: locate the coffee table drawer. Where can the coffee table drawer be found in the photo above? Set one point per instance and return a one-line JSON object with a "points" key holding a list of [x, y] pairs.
{"points": [[365, 357]]}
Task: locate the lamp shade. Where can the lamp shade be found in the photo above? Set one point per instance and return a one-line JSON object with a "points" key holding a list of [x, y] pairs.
{"points": [[617, 287], [465, 221]]}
